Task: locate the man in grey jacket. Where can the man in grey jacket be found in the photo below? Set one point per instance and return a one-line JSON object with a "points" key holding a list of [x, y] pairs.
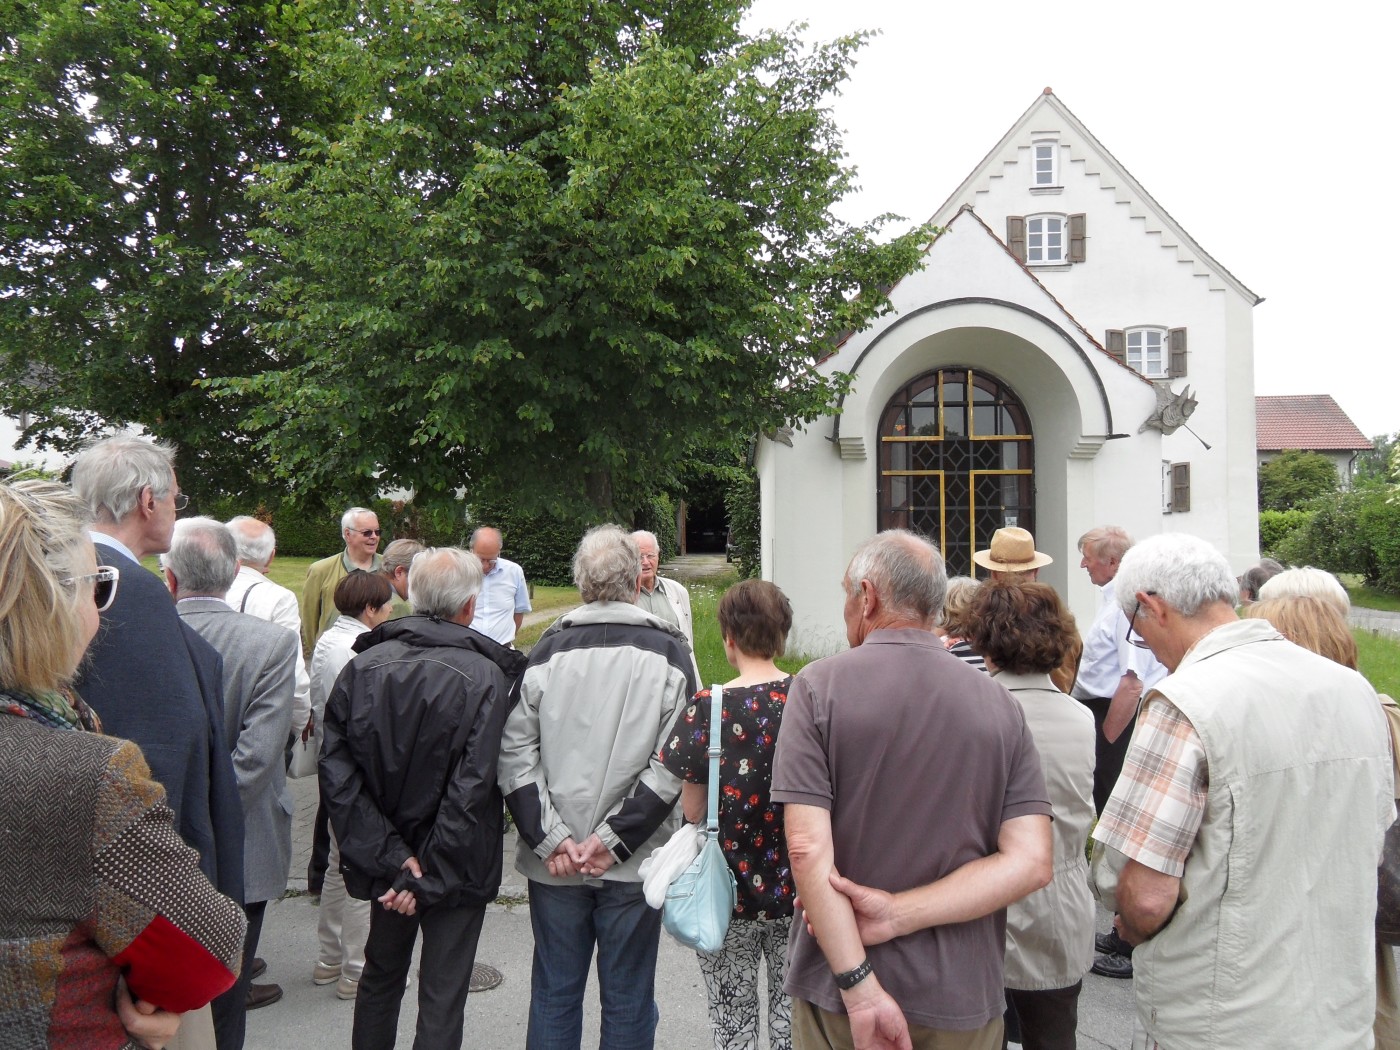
{"points": [[590, 798], [259, 667]]}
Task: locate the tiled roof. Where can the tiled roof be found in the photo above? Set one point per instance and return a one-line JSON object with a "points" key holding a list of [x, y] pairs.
{"points": [[1313, 422]]}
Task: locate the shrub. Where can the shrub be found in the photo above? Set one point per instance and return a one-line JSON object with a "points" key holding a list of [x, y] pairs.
{"points": [[543, 545], [1295, 477], [1356, 532], [1276, 525], [741, 502]]}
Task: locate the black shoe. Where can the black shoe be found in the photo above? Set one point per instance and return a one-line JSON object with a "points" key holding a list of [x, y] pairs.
{"points": [[1117, 966], [1105, 943], [259, 968], [260, 995]]}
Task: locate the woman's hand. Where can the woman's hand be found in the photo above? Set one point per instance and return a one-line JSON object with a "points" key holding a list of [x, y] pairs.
{"points": [[148, 1025]]}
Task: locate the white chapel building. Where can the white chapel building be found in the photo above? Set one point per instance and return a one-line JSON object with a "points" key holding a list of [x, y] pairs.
{"points": [[1066, 357]]}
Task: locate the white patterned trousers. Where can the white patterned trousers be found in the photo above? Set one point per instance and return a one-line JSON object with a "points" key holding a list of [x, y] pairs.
{"points": [[731, 979]]}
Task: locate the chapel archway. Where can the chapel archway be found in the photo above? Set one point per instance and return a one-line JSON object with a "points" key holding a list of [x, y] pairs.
{"points": [[956, 462]]}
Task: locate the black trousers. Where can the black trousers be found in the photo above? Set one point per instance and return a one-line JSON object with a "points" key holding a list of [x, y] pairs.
{"points": [[449, 952], [1108, 757], [1044, 1020], [230, 1010], [320, 849]]}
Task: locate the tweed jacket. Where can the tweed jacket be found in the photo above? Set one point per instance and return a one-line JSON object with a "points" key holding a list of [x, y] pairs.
{"points": [[318, 609], [97, 883], [259, 658]]}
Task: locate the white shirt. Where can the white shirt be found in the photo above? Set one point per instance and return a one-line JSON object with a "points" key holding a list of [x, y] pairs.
{"points": [[334, 649], [503, 594], [1108, 655], [254, 594]]}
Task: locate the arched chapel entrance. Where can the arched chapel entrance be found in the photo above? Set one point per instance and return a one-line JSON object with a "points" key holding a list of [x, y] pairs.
{"points": [[956, 462]]}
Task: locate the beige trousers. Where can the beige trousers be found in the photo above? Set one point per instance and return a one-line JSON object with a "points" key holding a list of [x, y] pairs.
{"points": [[816, 1029], [196, 1031]]}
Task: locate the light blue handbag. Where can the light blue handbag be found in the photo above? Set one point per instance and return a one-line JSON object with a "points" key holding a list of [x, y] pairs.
{"points": [[700, 900]]}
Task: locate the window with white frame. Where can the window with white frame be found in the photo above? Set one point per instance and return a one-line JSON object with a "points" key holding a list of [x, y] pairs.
{"points": [[1043, 155], [1147, 351], [1045, 239]]}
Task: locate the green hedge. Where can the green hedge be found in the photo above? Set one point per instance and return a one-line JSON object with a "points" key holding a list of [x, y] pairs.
{"points": [[1276, 525], [310, 531], [1354, 532], [741, 503]]}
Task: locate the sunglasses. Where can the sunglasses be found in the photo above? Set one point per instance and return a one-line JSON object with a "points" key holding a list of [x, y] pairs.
{"points": [[104, 585], [366, 533]]}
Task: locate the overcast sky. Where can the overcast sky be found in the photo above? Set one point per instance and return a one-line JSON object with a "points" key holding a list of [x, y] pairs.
{"points": [[1256, 126]]}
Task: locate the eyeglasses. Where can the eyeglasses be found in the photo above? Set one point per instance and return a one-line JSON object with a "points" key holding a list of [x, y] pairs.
{"points": [[1133, 637], [104, 587], [366, 533], [181, 502]]}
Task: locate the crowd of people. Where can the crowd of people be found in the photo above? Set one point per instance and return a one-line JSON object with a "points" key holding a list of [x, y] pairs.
{"points": [[909, 823]]}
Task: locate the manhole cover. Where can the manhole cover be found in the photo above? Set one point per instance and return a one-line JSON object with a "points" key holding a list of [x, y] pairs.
{"points": [[484, 978]]}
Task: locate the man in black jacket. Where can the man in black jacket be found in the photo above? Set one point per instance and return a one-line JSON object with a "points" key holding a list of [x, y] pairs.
{"points": [[408, 774]]}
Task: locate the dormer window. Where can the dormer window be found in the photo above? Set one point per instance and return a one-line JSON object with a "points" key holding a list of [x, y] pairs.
{"points": [[1044, 156]]}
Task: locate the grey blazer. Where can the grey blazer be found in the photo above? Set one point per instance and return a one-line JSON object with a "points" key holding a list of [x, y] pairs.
{"points": [[259, 668]]}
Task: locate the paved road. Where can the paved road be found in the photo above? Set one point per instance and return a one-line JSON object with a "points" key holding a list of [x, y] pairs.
{"points": [[1377, 621], [312, 1018]]}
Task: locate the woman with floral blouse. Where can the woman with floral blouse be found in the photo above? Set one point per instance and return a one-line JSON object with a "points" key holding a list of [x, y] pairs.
{"points": [[754, 619]]}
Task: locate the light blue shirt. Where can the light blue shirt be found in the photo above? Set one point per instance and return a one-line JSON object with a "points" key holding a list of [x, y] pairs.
{"points": [[503, 594]]}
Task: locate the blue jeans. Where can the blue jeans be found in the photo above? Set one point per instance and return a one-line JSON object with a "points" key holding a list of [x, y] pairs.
{"points": [[568, 921]]}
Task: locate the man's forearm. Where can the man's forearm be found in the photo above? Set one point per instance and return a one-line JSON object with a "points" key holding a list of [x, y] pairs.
{"points": [[1023, 863], [1122, 706], [810, 852]]}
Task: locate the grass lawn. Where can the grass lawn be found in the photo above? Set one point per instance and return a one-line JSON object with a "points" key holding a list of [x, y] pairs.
{"points": [[1379, 660], [1364, 597]]}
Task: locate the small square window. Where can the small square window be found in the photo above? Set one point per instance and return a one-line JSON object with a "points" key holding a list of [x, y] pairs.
{"points": [[1045, 239], [1043, 154], [1146, 351]]}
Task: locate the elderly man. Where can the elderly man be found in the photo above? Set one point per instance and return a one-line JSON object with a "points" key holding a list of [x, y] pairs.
{"points": [[505, 599], [408, 772], [1240, 844], [360, 529], [398, 557], [591, 799], [901, 766], [253, 593], [153, 680], [259, 662], [1012, 553]]}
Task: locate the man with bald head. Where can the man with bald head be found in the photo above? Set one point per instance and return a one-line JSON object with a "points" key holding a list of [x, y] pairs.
{"points": [[505, 597]]}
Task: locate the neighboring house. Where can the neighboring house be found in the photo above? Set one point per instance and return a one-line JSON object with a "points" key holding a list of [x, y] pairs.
{"points": [[1309, 423], [1032, 373], [13, 451]]}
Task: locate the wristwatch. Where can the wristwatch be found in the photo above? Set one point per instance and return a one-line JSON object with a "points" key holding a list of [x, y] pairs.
{"points": [[852, 977]]}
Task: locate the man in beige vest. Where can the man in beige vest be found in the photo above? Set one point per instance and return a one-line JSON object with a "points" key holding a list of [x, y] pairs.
{"points": [[1240, 844]]}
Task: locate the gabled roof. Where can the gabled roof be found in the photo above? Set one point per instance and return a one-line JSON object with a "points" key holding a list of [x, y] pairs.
{"points": [[1313, 422], [1112, 175]]}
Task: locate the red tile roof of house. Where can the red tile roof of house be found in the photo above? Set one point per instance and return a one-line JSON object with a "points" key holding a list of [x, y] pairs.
{"points": [[1312, 422]]}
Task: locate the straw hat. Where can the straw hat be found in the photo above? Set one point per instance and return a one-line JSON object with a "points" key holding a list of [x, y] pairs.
{"points": [[1012, 550]]}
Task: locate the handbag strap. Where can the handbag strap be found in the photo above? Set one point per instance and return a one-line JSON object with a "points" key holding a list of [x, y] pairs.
{"points": [[712, 806]]}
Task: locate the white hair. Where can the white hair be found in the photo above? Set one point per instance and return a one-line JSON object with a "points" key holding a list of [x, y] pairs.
{"points": [[203, 556], [906, 570], [1184, 571], [110, 475], [1308, 582], [607, 565], [347, 520], [443, 579], [257, 543]]}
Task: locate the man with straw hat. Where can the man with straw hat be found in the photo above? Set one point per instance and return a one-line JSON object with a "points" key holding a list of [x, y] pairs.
{"points": [[1012, 553]]}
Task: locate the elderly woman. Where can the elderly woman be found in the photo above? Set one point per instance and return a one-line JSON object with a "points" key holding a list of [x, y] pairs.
{"points": [[364, 601], [1024, 631], [108, 929], [1314, 618], [955, 622], [754, 619], [1307, 582]]}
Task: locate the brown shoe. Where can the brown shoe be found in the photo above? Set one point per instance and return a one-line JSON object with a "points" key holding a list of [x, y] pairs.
{"points": [[259, 968], [260, 995]]}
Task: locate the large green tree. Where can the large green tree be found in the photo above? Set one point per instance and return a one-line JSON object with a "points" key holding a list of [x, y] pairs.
{"points": [[556, 247], [130, 131], [1294, 477]]}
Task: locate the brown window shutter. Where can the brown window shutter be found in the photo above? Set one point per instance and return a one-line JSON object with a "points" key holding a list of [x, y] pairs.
{"points": [[1076, 238], [1176, 367], [1116, 343], [1016, 235], [1181, 487]]}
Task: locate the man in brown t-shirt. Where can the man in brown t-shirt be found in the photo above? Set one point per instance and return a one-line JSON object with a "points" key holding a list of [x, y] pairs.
{"points": [[915, 777]]}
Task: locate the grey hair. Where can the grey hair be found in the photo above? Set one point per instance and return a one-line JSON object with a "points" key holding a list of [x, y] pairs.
{"points": [[957, 603], [607, 565], [1308, 582], [257, 543], [443, 579], [400, 555], [110, 475], [471, 541], [1106, 541], [1185, 571], [906, 570], [347, 520], [1254, 579], [637, 535], [203, 556]]}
